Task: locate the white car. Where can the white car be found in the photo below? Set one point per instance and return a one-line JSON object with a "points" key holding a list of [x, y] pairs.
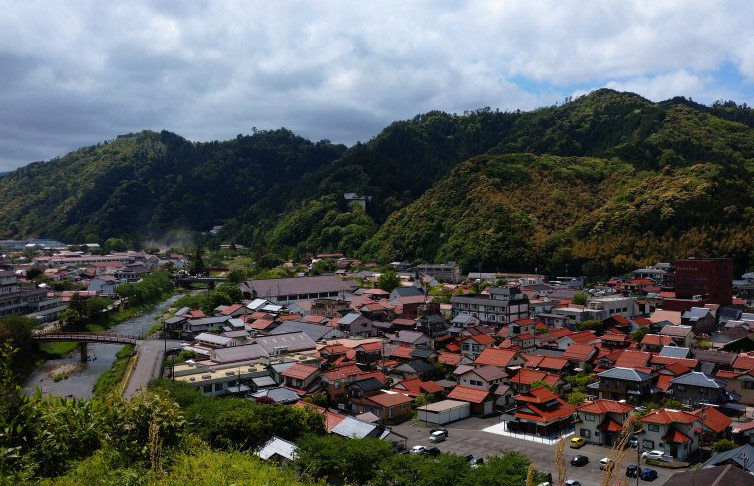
{"points": [[605, 463], [417, 449], [572, 482], [655, 456]]}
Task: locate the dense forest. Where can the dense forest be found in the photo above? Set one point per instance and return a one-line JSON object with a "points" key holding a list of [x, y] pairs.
{"points": [[601, 183]]}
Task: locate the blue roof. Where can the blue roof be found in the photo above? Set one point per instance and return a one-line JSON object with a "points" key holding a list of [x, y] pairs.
{"points": [[697, 378], [625, 374]]}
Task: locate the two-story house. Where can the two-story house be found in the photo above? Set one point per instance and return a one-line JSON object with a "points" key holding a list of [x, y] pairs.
{"points": [[483, 377], [337, 379], [695, 388], [627, 384], [670, 431], [389, 406], [741, 383], [472, 346], [500, 305], [601, 421], [681, 335], [354, 324], [411, 338], [302, 378], [524, 378], [653, 343], [539, 412]]}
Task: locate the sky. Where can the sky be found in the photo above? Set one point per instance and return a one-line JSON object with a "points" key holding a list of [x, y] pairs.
{"points": [[78, 73]]}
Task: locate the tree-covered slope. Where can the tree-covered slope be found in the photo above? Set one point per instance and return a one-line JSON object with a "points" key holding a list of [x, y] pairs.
{"points": [[144, 184]]}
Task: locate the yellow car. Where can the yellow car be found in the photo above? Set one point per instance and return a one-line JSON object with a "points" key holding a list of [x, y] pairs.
{"points": [[577, 443]]}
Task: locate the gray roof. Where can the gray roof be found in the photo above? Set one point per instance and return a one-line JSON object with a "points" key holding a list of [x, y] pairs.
{"points": [[278, 395], [628, 374], [368, 384], [407, 336], [175, 320], [316, 332], [674, 352], [419, 365], [237, 353], [407, 291], [182, 310], [297, 341], [734, 455], [280, 367], [490, 372], [349, 318], [697, 378], [696, 313], [264, 381], [421, 353], [355, 429], [678, 331], [463, 319], [208, 321], [275, 287], [721, 357]]}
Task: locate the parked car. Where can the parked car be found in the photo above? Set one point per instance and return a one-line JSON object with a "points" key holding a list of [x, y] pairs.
{"points": [[632, 470], [655, 456], [476, 462], [579, 461], [438, 436], [648, 475], [468, 457], [577, 443], [633, 442], [432, 451], [439, 429], [605, 463], [572, 482], [418, 449]]}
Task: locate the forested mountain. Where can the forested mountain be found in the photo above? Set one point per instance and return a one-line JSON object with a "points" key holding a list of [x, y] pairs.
{"points": [[608, 181]]}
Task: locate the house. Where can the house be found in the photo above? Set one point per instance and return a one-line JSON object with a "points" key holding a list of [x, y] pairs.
{"points": [[502, 358], [601, 421], [391, 407], [670, 431], [545, 363], [711, 361], [524, 378], [473, 346], [500, 306], [653, 343], [482, 401], [695, 388], [464, 320], [368, 354], [728, 475], [353, 324], [700, 319], [356, 199], [316, 332], [410, 338], [483, 377], [681, 335], [580, 355], [104, 285], [336, 380], [633, 359], [583, 337], [715, 424], [279, 451], [611, 340], [539, 412], [740, 383], [302, 378], [415, 387], [405, 292], [415, 368], [284, 290], [627, 384]]}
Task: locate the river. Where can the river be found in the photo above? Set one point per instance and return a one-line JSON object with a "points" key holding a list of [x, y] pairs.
{"points": [[82, 378]]}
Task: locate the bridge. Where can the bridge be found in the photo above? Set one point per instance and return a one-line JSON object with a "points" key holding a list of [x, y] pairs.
{"points": [[186, 281], [83, 338]]}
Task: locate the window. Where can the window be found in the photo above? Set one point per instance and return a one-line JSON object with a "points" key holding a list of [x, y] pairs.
{"points": [[648, 445], [207, 388], [589, 417], [218, 386], [680, 387], [653, 427], [749, 385], [586, 433]]}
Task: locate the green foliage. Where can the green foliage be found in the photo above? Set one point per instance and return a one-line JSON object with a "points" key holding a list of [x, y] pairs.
{"points": [[154, 287], [108, 381], [639, 334], [579, 381], [319, 399], [723, 445], [116, 244], [576, 398], [595, 325], [197, 262], [508, 469], [579, 299], [337, 459], [541, 384], [388, 281], [420, 470]]}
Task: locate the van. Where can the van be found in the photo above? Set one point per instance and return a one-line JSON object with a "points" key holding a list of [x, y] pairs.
{"points": [[438, 436]]}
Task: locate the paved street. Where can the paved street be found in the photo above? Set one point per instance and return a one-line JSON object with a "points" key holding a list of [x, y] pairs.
{"points": [[467, 437], [149, 364]]}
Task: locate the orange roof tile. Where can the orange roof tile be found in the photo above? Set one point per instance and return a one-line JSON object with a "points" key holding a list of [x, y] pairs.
{"points": [[373, 346], [656, 340], [579, 352], [632, 359], [538, 395], [495, 357], [713, 419], [402, 352], [537, 413], [445, 357], [481, 339], [417, 387], [610, 425], [744, 362], [453, 348], [467, 394], [663, 382], [341, 373], [600, 407], [676, 437], [583, 337], [300, 371], [526, 376], [667, 416], [390, 399]]}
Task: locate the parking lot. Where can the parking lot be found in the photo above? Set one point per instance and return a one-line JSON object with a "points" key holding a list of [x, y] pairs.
{"points": [[467, 437]]}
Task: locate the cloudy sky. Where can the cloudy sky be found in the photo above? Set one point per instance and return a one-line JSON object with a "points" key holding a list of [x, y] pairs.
{"points": [[77, 73]]}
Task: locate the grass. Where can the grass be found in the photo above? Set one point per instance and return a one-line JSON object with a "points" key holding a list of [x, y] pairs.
{"points": [[54, 350], [112, 378]]}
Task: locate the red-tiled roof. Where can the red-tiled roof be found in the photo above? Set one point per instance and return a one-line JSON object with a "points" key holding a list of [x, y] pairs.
{"points": [[632, 359], [677, 368], [676, 437], [402, 352], [342, 372], [482, 339], [523, 337], [467, 394], [495, 357], [231, 309], [300, 371], [389, 399], [546, 362], [453, 348], [538, 395], [663, 382], [667, 416], [449, 358], [525, 322], [610, 425], [579, 352], [526, 376], [605, 406], [315, 319], [333, 349], [377, 375], [417, 387], [262, 324], [744, 362], [536, 413], [374, 346], [641, 321], [583, 337], [666, 360], [713, 419], [614, 337], [656, 340]]}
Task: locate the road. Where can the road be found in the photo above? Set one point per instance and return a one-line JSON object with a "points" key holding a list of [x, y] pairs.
{"points": [[467, 437], [149, 363]]}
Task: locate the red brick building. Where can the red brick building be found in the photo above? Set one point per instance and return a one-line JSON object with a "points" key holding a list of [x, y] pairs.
{"points": [[707, 277]]}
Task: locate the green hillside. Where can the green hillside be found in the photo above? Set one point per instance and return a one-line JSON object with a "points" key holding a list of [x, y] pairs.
{"points": [[608, 181]]}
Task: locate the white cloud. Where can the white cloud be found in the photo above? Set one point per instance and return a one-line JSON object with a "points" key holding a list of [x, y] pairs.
{"points": [[74, 73]]}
